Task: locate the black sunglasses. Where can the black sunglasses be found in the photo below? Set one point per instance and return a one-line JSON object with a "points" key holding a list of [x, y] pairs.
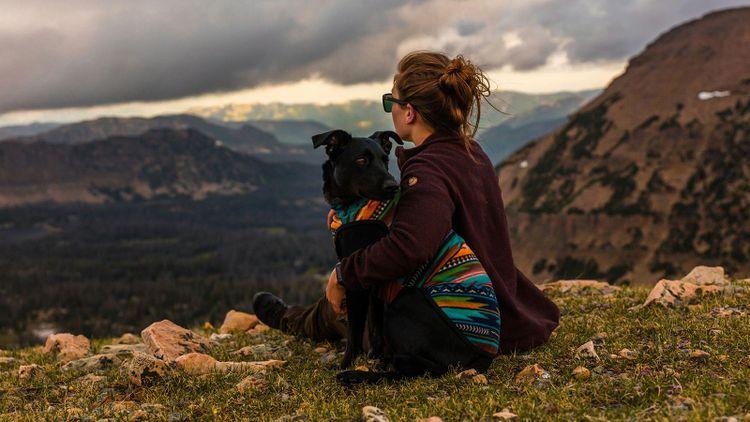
{"points": [[389, 99]]}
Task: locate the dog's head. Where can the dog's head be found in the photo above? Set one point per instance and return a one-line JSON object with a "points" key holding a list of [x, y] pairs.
{"points": [[357, 167]]}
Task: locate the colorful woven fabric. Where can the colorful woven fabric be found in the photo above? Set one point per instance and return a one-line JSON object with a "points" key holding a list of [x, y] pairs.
{"points": [[454, 278]]}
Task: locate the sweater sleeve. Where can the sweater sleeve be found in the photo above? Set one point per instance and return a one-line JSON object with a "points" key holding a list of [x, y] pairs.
{"points": [[423, 217]]}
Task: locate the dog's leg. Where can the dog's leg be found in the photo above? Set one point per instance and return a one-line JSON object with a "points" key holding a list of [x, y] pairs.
{"points": [[375, 324], [356, 311]]}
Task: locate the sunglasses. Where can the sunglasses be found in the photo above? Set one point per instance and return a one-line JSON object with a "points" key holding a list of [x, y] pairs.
{"points": [[389, 99]]}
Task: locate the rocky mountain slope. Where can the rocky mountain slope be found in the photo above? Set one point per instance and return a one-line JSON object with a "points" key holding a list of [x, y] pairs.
{"points": [[652, 175], [157, 163], [243, 138]]}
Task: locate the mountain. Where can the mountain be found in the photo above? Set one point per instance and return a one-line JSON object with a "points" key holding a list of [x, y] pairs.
{"points": [[650, 177], [156, 164], [244, 138], [25, 130], [362, 117], [501, 140], [292, 132]]}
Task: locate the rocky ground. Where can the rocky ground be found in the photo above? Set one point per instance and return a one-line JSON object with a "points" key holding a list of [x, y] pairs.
{"points": [[680, 351]]}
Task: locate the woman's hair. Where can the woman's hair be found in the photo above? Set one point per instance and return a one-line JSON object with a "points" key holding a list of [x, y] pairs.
{"points": [[444, 91]]}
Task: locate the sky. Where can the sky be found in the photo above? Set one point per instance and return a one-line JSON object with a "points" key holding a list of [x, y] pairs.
{"points": [[75, 59]]}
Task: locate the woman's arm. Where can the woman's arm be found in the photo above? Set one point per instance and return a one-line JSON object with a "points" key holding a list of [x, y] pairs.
{"points": [[424, 215]]}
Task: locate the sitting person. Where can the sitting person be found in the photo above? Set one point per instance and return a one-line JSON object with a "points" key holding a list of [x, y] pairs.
{"points": [[448, 185]]}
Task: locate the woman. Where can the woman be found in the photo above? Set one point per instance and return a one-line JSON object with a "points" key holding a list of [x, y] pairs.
{"points": [[447, 182]]}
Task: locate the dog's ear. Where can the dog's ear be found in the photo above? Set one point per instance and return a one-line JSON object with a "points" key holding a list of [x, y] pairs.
{"points": [[332, 139], [384, 138]]}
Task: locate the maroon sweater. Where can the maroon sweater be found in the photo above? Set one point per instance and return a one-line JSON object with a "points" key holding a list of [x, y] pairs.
{"points": [[441, 188]]}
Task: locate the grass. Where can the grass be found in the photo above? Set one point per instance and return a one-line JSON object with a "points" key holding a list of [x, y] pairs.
{"points": [[662, 382]]}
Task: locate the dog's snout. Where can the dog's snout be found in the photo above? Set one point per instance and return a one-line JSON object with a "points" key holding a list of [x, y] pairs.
{"points": [[390, 186]]}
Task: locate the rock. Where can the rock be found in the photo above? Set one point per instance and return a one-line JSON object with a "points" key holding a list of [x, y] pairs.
{"points": [[90, 379], [220, 337], [258, 350], [627, 354], [256, 367], [167, 340], [127, 338], [139, 415], [328, 358], [702, 275], [196, 363], [67, 347], [373, 414], [235, 322], [118, 348], [587, 350], [98, 362], [701, 280], [578, 286], [320, 350], [699, 355], [682, 403], [467, 374], [504, 415], [581, 373], [479, 379], [431, 419], [258, 329], [251, 383], [143, 369], [531, 374], [7, 362], [29, 372], [126, 406]]}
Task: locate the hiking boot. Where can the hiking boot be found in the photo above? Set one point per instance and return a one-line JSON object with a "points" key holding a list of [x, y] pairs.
{"points": [[269, 309]]}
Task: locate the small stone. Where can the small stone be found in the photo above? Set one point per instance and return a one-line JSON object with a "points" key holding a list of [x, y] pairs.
{"points": [[90, 379], [600, 335], [235, 322], [258, 329], [7, 362], [531, 374], [29, 372], [127, 338], [479, 379], [505, 415], [139, 415], [362, 368], [97, 362], [251, 383], [581, 373], [196, 363], [373, 414], [431, 419], [627, 354], [587, 350], [126, 406], [328, 358], [682, 403], [722, 358], [143, 369], [467, 374], [320, 350], [167, 340], [698, 354], [67, 347], [220, 337], [255, 367]]}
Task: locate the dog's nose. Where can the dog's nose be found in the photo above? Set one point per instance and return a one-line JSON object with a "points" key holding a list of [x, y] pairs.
{"points": [[390, 186]]}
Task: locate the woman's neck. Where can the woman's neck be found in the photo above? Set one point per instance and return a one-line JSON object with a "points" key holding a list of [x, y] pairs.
{"points": [[419, 135]]}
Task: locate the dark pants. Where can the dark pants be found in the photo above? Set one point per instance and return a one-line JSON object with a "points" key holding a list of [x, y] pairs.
{"points": [[419, 336]]}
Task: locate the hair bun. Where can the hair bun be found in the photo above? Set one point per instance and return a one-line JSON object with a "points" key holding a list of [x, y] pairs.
{"points": [[455, 73]]}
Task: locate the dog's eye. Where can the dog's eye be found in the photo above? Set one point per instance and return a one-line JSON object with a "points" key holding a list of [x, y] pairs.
{"points": [[361, 161]]}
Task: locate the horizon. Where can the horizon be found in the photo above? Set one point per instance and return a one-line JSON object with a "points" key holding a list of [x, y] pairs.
{"points": [[535, 49]]}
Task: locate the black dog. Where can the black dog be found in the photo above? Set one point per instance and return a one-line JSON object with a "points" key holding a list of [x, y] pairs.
{"points": [[358, 168]]}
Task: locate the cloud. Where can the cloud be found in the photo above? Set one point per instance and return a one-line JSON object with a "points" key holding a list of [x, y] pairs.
{"points": [[85, 53]]}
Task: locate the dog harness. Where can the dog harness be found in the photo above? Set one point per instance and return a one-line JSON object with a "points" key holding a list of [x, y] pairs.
{"points": [[454, 278]]}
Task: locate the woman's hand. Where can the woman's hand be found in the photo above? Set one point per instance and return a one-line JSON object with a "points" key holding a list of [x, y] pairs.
{"points": [[335, 293]]}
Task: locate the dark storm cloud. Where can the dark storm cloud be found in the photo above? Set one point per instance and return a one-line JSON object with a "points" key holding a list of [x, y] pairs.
{"points": [[82, 53]]}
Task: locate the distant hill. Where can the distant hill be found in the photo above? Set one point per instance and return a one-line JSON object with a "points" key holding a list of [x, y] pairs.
{"points": [[362, 117], [650, 177], [293, 132], [155, 164], [244, 138], [501, 140], [25, 130]]}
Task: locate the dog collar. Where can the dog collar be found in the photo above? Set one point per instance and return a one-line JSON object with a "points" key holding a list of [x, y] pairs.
{"points": [[364, 209]]}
